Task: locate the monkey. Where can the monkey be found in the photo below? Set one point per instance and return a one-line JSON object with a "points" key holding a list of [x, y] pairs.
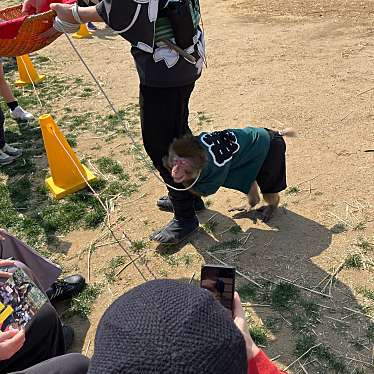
{"points": [[247, 160]]}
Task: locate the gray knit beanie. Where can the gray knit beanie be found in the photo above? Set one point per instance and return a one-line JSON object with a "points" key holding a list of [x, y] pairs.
{"points": [[165, 326]]}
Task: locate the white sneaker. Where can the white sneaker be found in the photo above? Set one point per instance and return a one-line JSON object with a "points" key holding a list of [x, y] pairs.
{"points": [[21, 115], [11, 151], [5, 159]]}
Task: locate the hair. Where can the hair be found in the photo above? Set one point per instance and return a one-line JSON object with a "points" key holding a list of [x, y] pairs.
{"points": [[189, 147]]}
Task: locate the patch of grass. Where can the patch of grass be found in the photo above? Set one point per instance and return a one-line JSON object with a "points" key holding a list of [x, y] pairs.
{"points": [[72, 140], [292, 190], [110, 272], [273, 324], [170, 259], [41, 60], [61, 216], [303, 343], [338, 228], [138, 151], [108, 165], [322, 353], [77, 122], [370, 332], [226, 245], [19, 224], [311, 309], [138, 246], [87, 92], [82, 304], [366, 292], [235, 229], [186, 259], [284, 296], [360, 226], [333, 362], [20, 192], [203, 118], [299, 322], [119, 187], [96, 147], [210, 226], [364, 245], [259, 334], [247, 292], [163, 273], [354, 261]]}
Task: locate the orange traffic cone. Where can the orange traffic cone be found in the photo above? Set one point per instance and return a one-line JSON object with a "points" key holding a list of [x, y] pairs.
{"points": [[83, 32], [68, 174], [27, 72]]}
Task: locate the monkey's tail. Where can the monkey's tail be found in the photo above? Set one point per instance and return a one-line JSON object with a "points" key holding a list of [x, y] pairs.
{"points": [[289, 132]]}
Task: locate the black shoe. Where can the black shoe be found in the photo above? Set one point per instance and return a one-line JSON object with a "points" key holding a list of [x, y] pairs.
{"points": [[68, 336], [66, 288], [176, 230], [164, 203]]}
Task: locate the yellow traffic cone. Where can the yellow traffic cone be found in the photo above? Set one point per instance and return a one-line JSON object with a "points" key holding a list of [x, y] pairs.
{"points": [[68, 174], [83, 32], [27, 72]]}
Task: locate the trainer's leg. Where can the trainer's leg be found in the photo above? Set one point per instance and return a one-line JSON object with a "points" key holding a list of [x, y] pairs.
{"points": [[73, 363], [164, 117]]}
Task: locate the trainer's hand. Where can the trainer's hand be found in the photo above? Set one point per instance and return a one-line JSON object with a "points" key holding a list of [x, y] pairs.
{"points": [[63, 12], [34, 6], [241, 324], [11, 342], [5, 263]]}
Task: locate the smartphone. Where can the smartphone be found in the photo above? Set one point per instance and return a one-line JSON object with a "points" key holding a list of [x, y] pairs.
{"points": [[220, 280]]}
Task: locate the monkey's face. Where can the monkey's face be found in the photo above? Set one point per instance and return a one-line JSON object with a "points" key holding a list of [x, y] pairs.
{"points": [[182, 170]]}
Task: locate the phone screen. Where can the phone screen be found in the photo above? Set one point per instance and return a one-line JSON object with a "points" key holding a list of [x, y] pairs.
{"points": [[220, 280]]}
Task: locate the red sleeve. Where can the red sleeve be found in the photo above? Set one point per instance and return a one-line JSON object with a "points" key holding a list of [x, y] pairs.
{"points": [[260, 364]]}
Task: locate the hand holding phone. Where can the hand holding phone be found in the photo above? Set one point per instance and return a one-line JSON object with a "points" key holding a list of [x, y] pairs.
{"points": [[220, 280]]}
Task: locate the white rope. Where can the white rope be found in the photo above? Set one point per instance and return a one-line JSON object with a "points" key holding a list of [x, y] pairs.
{"points": [[75, 13], [65, 27], [96, 195], [127, 131], [32, 81]]}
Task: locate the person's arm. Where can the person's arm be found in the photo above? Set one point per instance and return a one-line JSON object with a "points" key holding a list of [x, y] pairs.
{"points": [[258, 362], [86, 14]]}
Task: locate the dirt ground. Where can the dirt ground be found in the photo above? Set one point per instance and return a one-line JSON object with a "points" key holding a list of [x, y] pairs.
{"points": [[301, 64]]}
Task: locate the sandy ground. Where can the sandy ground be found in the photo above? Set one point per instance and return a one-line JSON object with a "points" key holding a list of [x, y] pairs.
{"points": [[301, 64]]}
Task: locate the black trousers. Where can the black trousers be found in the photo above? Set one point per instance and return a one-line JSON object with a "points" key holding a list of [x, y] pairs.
{"points": [[164, 117], [73, 363], [44, 340], [2, 136]]}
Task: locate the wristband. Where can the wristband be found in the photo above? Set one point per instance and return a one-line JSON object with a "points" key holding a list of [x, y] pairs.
{"points": [[75, 14]]}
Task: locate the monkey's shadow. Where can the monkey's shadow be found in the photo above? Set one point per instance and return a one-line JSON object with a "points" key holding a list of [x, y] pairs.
{"points": [[285, 245]]}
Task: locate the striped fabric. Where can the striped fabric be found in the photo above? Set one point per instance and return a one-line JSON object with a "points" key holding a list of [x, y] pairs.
{"points": [[163, 26]]}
